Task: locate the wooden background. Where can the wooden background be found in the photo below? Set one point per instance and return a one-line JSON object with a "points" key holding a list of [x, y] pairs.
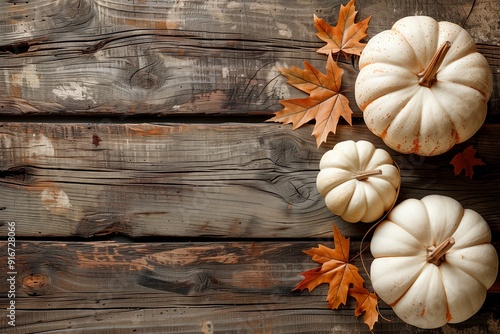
{"points": [[148, 193]]}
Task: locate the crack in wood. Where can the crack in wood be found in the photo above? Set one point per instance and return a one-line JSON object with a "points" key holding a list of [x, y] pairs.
{"points": [[16, 173], [20, 47]]}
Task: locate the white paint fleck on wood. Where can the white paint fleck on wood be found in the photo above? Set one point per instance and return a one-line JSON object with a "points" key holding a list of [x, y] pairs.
{"points": [[34, 146], [28, 75], [225, 72], [279, 89], [40, 146], [55, 199], [74, 90], [284, 30]]}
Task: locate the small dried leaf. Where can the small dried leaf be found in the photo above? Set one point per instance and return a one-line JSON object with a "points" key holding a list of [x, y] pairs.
{"points": [[325, 104], [366, 302], [342, 277], [466, 161], [346, 36]]}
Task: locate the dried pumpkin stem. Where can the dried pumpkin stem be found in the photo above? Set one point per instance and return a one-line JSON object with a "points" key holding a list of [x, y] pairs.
{"points": [[364, 174], [428, 76], [437, 255]]}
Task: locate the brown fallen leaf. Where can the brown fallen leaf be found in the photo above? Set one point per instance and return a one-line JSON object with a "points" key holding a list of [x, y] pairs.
{"points": [[466, 161], [325, 104], [346, 36], [342, 277], [366, 302]]}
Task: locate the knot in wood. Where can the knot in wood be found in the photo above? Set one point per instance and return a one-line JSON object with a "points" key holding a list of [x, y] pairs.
{"points": [[285, 152], [146, 80], [73, 12], [34, 284], [148, 77]]}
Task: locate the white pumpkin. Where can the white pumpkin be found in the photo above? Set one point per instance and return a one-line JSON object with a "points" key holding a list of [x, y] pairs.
{"points": [[422, 86], [433, 261], [358, 181]]}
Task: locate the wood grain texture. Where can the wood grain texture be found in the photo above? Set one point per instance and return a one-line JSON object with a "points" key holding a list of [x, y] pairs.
{"points": [[100, 57], [210, 180], [196, 225], [236, 287]]}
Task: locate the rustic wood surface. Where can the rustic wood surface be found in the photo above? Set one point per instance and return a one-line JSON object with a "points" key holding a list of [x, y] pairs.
{"points": [[172, 288], [209, 180], [148, 193], [128, 58]]}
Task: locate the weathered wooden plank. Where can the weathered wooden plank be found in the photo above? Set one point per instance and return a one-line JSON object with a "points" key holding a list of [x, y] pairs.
{"points": [[234, 318], [98, 57], [27, 20], [146, 57], [183, 287], [199, 180], [257, 318]]}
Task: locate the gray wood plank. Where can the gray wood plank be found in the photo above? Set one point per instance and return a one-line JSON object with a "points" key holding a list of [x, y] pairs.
{"points": [[186, 57], [171, 287], [226, 180]]}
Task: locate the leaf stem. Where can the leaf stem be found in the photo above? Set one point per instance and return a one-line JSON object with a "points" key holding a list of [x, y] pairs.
{"points": [[359, 254], [437, 255], [428, 76]]}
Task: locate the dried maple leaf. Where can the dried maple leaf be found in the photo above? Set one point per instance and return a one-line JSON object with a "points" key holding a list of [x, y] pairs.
{"points": [[366, 302], [466, 161], [343, 278], [325, 104], [346, 36]]}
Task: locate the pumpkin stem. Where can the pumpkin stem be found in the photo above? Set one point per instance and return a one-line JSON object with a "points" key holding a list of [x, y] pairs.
{"points": [[364, 174], [428, 76], [437, 254]]}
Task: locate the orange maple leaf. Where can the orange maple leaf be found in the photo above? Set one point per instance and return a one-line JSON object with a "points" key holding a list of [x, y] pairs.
{"points": [[343, 278], [325, 104], [366, 302], [466, 161], [346, 36]]}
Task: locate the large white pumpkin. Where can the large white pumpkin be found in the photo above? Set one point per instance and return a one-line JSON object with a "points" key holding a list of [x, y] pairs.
{"points": [[433, 261], [422, 86], [358, 181]]}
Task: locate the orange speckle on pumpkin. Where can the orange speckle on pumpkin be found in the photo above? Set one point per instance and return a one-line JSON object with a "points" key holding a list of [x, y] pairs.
{"points": [[416, 146], [448, 315]]}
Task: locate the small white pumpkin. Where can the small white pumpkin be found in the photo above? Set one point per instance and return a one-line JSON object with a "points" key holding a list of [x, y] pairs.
{"points": [[422, 86], [433, 261], [358, 181]]}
